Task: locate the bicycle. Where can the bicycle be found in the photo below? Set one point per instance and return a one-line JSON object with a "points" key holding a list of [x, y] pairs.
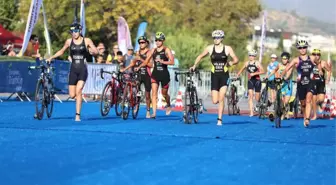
{"points": [[192, 108], [264, 103], [279, 108], [44, 83], [296, 103], [232, 100], [115, 87], [131, 96]]}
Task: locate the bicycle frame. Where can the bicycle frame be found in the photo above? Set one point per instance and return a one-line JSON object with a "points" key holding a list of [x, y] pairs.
{"points": [[193, 106], [116, 77]]}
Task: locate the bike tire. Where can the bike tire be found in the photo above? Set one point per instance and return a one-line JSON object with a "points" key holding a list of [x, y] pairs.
{"points": [[187, 115], [136, 106], [230, 103], [125, 101], [106, 100], [296, 108], [278, 110], [264, 104], [118, 96], [195, 105], [50, 104], [39, 113]]}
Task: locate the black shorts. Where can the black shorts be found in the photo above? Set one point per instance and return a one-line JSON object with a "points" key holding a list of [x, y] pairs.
{"points": [[254, 84], [77, 74], [302, 90], [317, 87], [271, 84], [219, 80], [146, 80], [161, 77]]}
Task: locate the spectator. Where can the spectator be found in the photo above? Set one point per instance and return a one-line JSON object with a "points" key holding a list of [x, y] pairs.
{"points": [[10, 50], [102, 51], [32, 49], [129, 56], [120, 60], [100, 59], [114, 56]]}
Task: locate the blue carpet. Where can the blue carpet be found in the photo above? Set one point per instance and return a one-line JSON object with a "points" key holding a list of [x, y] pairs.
{"points": [[108, 150]]}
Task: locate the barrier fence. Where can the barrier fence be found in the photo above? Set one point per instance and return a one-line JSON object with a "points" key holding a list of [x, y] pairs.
{"points": [[15, 78]]}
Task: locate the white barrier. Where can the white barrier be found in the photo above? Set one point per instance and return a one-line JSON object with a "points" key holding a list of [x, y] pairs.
{"points": [[94, 84]]}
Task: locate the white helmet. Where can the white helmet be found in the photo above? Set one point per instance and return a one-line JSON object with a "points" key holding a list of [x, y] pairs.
{"points": [[218, 33], [252, 53]]}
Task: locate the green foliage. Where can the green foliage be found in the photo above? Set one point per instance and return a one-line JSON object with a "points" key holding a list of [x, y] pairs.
{"points": [[8, 12], [181, 41]]}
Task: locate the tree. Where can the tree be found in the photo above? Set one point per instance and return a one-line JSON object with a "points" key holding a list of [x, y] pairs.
{"points": [[8, 12], [101, 17], [203, 17]]}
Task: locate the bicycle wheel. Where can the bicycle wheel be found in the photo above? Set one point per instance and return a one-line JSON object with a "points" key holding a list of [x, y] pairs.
{"points": [[106, 99], [187, 110], [50, 99], [296, 108], [263, 104], [39, 99], [118, 98], [125, 103], [136, 103], [278, 110], [230, 102], [194, 104]]}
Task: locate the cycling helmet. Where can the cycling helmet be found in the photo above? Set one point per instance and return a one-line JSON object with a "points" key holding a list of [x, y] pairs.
{"points": [[75, 26], [160, 36], [143, 38], [218, 33], [285, 55], [301, 43], [317, 51], [252, 53]]}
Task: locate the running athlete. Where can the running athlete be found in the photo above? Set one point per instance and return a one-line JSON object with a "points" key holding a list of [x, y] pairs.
{"points": [[254, 69], [219, 54], [287, 86], [162, 57], [270, 75], [304, 66], [318, 97], [145, 78], [80, 48]]}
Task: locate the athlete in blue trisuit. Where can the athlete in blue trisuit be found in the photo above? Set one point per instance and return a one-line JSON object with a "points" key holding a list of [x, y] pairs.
{"points": [[80, 50]]}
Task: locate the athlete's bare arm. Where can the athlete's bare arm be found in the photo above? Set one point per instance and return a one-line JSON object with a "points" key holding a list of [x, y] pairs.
{"points": [[233, 56], [61, 51], [92, 48], [242, 69]]}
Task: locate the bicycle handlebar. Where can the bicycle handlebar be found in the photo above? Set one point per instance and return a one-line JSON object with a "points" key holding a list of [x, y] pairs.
{"points": [[188, 73], [236, 79], [43, 65]]}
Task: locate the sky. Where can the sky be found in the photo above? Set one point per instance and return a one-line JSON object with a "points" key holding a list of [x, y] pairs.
{"points": [[322, 10]]}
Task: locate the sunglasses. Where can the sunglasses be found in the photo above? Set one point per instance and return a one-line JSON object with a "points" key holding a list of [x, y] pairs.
{"points": [[158, 40], [142, 42], [302, 47], [74, 31], [216, 38], [284, 58], [252, 55], [315, 54]]}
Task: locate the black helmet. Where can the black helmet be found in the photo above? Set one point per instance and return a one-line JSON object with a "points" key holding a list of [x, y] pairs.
{"points": [[143, 38], [285, 55], [75, 26]]}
